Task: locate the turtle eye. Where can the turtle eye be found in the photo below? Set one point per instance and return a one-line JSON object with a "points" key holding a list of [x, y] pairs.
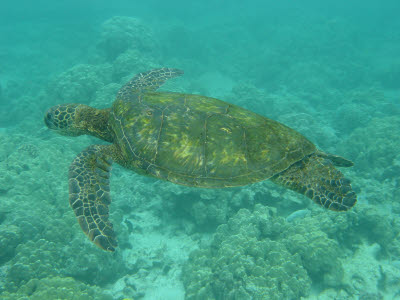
{"points": [[51, 119], [149, 112], [48, 119]]}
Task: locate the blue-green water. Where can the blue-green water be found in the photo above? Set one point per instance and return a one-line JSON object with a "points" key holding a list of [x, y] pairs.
{"points": [[328, 69]]}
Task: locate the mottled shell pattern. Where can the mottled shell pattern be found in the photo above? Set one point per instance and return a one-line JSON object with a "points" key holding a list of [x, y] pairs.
{"points": [[200, 141]]}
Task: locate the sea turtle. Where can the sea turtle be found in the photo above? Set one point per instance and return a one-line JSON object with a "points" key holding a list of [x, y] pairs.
{"points": [[191, 140]]}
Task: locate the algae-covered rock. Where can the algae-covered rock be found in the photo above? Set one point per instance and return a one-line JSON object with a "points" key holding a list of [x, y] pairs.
{"points": [[359, 108], [365, 223], [343, 228], [362, 270], [19, 159], [91, 265], [64, 288], [10, 237], [40, 236], [377, 226], [199, 205], [375, 146], [33, 260], [40, 259], [122, 33], [80, 83], [243, 263], [319, 254], [132, 62], [105, 96], [249, 257], [388, 73]]}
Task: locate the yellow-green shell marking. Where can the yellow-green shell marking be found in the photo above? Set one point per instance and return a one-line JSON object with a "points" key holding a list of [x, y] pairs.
{"points": [[200, 141]]}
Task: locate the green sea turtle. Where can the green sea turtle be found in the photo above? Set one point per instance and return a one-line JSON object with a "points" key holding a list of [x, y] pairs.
{"points": [[191, 140]]}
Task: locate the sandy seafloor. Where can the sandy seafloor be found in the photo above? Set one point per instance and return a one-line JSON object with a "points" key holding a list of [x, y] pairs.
{"points": [[330, 72]]}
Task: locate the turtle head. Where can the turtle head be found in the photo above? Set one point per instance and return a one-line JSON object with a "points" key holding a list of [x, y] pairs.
{"points": [[76, 119], [62, 118]]}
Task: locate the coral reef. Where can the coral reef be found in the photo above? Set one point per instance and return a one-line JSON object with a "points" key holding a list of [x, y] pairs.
{"points": [[132, 62], [57, 288], [44, 258], [388, 73], [318, 243], [357, 108], [365, 274], [10, 237], [335, 83], [105, 96], [375, 146], [246, 261], [319, 254], [119, 34], [80, 83], [33, 260], [38, 235]]}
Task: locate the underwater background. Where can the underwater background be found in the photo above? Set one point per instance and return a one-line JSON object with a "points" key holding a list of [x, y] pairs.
{"points": [[328, 69]]}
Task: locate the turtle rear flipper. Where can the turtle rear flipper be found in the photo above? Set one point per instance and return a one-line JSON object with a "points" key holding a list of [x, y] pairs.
{"points": [[89, 194], [316, 177], [336, 159]]}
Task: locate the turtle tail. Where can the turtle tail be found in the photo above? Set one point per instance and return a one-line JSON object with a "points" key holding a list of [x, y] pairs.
{"points": [[316, 177]]}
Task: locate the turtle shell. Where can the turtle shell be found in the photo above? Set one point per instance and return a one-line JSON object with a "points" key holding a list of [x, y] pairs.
{"points": [[200, 141]]}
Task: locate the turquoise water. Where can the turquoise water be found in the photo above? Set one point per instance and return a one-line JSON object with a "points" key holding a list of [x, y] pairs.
{"points": [[330, 70]]}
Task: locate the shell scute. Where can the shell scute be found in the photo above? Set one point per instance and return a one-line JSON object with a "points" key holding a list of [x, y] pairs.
{"points": [[200, 141]]}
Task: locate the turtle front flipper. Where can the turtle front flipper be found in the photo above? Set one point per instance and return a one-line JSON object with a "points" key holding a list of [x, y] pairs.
{"points": [[89, 194], [316, 177], [148, 81]]}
